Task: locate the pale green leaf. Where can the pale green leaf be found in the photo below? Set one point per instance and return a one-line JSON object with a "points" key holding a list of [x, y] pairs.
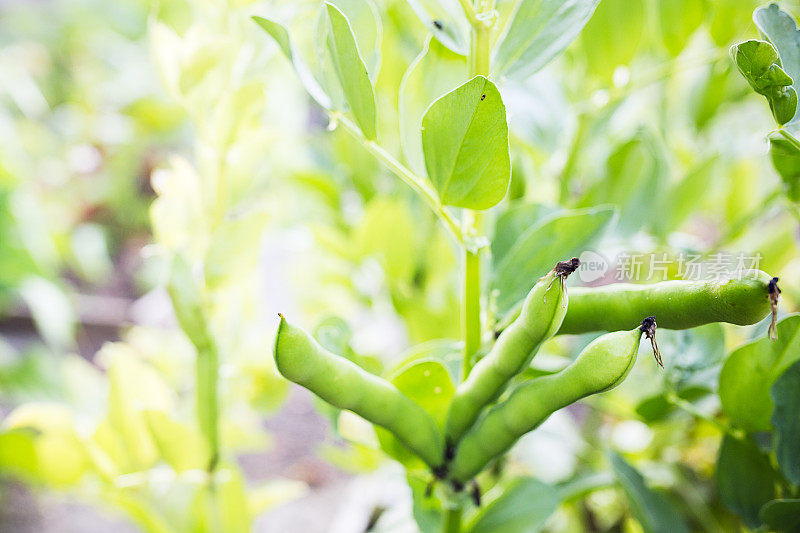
{"points": [[351, 71], [466, 147], [445, 20], [282, 38], [538, 32], [434, 72]]}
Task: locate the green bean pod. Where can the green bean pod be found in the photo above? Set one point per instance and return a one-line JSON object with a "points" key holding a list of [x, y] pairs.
{"points": [[343, 384], [678, 304], [601, 366], [539, 319]]}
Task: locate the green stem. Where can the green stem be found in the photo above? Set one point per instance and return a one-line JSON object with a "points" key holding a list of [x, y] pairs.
{"points": [[480, 64], [452, 520], [471, 319], [789, 137], [572, 159], [420, 186], [207, 400]]}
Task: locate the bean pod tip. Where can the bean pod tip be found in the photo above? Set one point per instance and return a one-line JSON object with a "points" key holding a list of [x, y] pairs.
{"points": [[648, 327], [774, 295]]}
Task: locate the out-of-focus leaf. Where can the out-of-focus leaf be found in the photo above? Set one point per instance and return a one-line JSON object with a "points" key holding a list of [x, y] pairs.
{"points": [[555, 238], [683, 198], [786, 160], [745, 478], [652, 509], [538, 113], [524, 507], [785, 393], [351, 71], [679, 19], [134, 388], [388, 216], [284, 42], [658, 407], [729, 18], [18, 453], [782, 515], [758, 62], [273, 493], [60, 459], [780, 28], [233, 252], [512, 223], [436, 71], [611, 37], [697, 355], [540, 30], [90, 252], [750, 371], [466, 147], [445, 19], [51, 310], [633, 181], [181, 446]]}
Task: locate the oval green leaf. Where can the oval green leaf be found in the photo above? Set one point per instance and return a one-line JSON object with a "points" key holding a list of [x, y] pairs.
{"points": [[466, 147]]}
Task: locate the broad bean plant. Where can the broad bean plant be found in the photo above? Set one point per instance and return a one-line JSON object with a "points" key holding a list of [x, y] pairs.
{"points": [[452, 425]]}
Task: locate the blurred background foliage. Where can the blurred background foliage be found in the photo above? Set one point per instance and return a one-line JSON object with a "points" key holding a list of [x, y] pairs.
{"points": [[133, 131]]}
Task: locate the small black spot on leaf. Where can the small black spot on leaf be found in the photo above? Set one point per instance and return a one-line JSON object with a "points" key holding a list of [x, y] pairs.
{"points": [[438, 24]]}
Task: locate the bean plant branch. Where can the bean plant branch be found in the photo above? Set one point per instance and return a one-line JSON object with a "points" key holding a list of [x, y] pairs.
{"points": [[419, 185]]}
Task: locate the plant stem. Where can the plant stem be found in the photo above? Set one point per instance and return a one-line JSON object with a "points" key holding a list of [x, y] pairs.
{"points": [[471, 319], [789, 137], [479, 59], [420, 186], [208, 401], [452, 520]]}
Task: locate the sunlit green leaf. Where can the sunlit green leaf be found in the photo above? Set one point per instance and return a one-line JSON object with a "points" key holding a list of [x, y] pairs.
{"points": [[750, 371], [465, 142], [351, 71], [679, 19], [612, 36], [281, 36], [427, 383], [538, 32]]}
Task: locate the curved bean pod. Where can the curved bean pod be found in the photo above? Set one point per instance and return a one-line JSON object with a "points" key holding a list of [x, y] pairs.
{"points": [[540, 318], [601, 366], [343, 384], [677, 304]]}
